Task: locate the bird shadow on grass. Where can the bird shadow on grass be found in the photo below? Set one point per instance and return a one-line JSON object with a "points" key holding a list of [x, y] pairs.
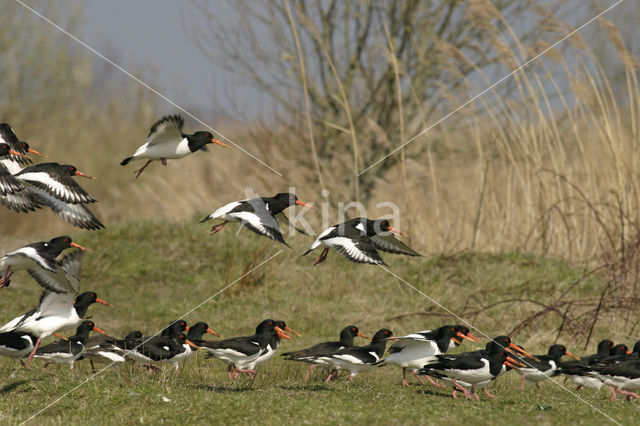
{"points": [[310, 388], [222, 388], [8, 388], [434, 392]]}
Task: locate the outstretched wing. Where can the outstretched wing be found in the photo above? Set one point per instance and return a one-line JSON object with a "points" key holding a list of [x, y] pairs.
{"points": [[75, 214], [66, 278], [391, 244], [59, 185], [358, 250], [168, 128], [13, 194]]}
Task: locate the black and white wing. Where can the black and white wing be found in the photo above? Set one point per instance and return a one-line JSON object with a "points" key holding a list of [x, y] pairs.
{"points": [[75, 214], [391, 244], [66, 278], [166, 129], [254, 215], [13, 194], [358, 249], [56, 183]]}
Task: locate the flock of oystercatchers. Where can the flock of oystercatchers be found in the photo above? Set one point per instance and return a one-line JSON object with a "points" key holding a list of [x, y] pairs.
{"points": [[25, 187]]}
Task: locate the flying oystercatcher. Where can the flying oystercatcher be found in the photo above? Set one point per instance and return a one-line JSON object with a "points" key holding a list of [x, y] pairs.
{"points": [[414, 350], [256, 214], [51, 184], [67, 351], [167, 141], [13, 194], [36, 255], [310, 355], [59, 309], [358, 240]]}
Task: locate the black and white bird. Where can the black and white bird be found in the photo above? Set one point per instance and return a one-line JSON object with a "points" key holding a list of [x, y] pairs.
{"points": [[35, 255], [17, 344], [18, 158], [536, 371], [102, 350], [160, 350], [241, 353], [622, 377], [276, 338], [166, 141], [415, 349], [59, 309], [256, 214], [13, 194], [359, 240], [476, 369], [310, 355], [52, 185], [357, 359], [67, 351], [578, 371]]}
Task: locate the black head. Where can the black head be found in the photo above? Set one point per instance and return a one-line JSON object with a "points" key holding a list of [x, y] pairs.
{"points": [[379, 226], [636, 347], [135, 334], [351, 330], [58, 244], [197, 330], [4, 149], [199, 139], [500, 342], [266, 326], [176, 327], [619, 349], [604, 347], [557, 351], [69, 169], [7, 133], [84, 300], [382, 334]]}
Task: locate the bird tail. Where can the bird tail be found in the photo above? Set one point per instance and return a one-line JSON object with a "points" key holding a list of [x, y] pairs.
{"points": [[307, 252], [205, 219], [126, 161]]}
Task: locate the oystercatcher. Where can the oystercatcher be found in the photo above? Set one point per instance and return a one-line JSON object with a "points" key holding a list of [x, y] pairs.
{"points": [[156, 349], [536, 371], [13, 195], [276, 338], [36, 255], [477, 369], [413, 350], [51, 184], [67, 351], [176, 327], [19, 155], [57, 309], [358, 359], [578, 371], [16, 344], [241, 353], [622, 377], [102, 349], [357, 240], [310, 355], [166, 141], [256, 214]]}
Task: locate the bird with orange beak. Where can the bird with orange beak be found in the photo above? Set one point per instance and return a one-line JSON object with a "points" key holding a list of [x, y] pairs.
{"points": [[359, 240]]}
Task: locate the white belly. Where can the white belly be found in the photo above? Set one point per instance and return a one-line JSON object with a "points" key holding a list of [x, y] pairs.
{"points": [[169, 150]]}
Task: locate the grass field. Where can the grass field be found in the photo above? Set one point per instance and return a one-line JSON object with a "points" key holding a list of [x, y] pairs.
{"points": [[154, 273]]}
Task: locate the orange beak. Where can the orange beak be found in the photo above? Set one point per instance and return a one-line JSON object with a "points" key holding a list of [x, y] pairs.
{"points": [[468, 336], [210, 331], [72, 244], [282, 334], [628, 351], [567, 353], [33, 151], [216, 141], [396, 231], [190, 343], [60, 336], [103, 302], [99, 331], [363, 336], [186, 328], [456, 340], [12, 152], [515, 362], [79, 173], [522, 351], [293, 331], [300, 203]]}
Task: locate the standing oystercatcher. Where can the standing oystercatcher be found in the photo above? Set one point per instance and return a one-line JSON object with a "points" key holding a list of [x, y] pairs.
{"points": [[51, 184], [16, 345], [102, 349], [36, 255], [310, 355], [358, 359], [256, 214], [59, 309], [241, 353], [578, 371], [69, 350], [357, 240], [414, 350], [536, 371], [478, 368], [276, 338], [166, 141], [13, 194]]}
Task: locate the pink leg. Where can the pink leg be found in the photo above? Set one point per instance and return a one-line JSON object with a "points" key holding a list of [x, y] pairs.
{"points": [[46, 364], [322, 256], [473, 392], [328, 379], [351, 379], [251, 372], [613, 393], [229, 370], [454, 394], [5, 277], [434, 383], [486, 392], [463, 390], [24, 365], [522, 383], [417, 376], [217, 227], [404, 376], [630, 395], [306, 377], [580, 387], [140, 170], [33, 352]]}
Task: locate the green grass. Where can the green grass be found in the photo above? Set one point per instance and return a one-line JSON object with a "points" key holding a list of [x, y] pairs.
{"points": [[156, 272]]}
